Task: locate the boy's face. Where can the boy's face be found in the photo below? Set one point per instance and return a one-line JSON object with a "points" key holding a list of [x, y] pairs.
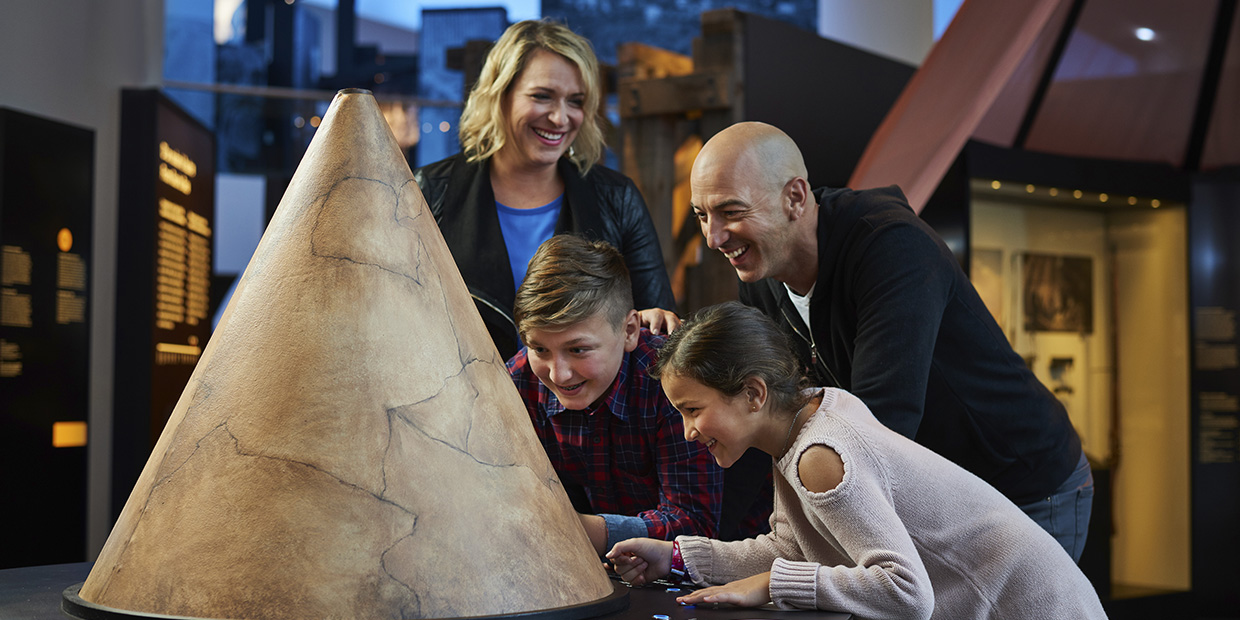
{"points": [[578, 363]]}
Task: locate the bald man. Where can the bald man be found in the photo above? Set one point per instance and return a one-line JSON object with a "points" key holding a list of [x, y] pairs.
{"points": [[877, 305]]}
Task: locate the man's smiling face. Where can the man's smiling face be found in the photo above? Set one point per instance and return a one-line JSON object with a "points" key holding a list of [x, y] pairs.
{"points": [[742, 218]]}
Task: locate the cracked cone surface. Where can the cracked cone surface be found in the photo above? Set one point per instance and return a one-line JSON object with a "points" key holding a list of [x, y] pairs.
{"points": [[350, 444]]}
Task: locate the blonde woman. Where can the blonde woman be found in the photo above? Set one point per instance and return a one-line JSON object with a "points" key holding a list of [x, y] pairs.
{"points": [[531, 137]]}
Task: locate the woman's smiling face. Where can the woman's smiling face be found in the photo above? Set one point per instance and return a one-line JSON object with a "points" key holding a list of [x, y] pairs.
{"points": [[544, 109]]}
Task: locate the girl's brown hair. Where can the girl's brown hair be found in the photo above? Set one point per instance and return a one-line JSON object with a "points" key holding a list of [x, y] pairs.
{"points": [[723, 345]]}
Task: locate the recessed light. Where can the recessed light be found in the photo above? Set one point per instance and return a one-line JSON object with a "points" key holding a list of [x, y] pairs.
{"points": [[1145, 34]]}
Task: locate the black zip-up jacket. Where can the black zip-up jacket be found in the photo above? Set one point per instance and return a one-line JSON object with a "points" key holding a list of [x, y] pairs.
{"points": [[603, 204], [895, 321]]}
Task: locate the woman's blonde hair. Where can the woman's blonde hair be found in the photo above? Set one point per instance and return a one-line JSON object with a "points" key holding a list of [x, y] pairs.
{"points": [[483, 129]]}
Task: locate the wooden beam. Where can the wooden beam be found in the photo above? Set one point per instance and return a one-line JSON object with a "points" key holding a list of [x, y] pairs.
{"points": [[950, 94], [645, 62], [675, 95]]}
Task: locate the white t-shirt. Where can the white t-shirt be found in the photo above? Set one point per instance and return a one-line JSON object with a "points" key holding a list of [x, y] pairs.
{"points": [[801, 302]]}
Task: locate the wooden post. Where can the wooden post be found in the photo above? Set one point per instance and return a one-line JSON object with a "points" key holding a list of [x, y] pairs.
{"points": [[670, 105]]}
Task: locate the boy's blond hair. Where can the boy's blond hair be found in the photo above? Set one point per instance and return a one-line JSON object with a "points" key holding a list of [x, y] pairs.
{"points": [[569, 280]]}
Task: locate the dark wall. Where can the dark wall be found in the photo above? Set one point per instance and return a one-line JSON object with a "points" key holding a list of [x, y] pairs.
{"points": [[829, 97]]}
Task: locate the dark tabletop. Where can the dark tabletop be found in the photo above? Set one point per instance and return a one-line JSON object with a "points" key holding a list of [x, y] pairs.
{"points": [[34, 593]]}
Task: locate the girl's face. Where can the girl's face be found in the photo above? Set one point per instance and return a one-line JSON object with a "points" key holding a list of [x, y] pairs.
{"points": [[726, 425]]}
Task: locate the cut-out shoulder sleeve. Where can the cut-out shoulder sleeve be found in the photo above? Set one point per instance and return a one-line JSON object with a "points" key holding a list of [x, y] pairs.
{"points": [[820, 468]]}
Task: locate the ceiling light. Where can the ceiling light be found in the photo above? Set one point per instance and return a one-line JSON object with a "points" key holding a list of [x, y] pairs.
{"points": [[1145, 34]]}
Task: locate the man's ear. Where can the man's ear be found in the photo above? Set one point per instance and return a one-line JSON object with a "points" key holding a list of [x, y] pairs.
{"points": [[797, 197], [756, 393], [632, 330]]}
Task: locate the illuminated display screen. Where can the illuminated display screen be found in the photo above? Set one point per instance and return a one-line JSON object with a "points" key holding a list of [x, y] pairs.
{"points": [[167, 215]]}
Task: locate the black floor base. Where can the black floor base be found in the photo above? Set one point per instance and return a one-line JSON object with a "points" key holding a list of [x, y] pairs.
{"points": [[75, 606]]}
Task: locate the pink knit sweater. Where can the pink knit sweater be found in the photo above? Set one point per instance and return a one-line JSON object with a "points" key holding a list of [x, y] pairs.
{"points": [[907, 534]]}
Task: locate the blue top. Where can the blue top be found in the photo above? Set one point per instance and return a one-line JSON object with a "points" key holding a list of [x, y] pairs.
{"points": [[524, 230]]}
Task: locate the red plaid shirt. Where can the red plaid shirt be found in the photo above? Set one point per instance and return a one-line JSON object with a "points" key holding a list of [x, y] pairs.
{"points": [[628, 453]]}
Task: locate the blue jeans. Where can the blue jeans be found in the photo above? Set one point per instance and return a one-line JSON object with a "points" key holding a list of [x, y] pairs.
{"points": [[1065, 514]]}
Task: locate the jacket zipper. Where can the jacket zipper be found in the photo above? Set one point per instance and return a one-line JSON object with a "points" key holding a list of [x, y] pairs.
{"points": [[814, 358]]}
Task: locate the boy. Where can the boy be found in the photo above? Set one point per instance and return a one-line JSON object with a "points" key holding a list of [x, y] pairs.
{"points": [[605, 424]]}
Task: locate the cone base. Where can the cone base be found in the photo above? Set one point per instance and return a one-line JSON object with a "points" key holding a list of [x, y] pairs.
{"points": [[77, 607]]}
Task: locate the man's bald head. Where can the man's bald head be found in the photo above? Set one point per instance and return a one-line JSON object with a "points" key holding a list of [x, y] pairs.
{"points": [[750, 152], [753, 202]]}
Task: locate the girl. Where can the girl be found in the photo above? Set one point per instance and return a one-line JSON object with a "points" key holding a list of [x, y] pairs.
{"points": [[866, 521]]}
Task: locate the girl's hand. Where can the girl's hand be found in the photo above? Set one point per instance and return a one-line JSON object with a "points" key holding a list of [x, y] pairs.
{"points": [[639, 561], [747, 592]]}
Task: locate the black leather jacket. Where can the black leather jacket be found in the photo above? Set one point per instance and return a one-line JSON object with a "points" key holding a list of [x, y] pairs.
{"points": [[603, 204]]}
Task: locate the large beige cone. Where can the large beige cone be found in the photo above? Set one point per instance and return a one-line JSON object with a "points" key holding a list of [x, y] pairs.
{"points": [[350, 444]]}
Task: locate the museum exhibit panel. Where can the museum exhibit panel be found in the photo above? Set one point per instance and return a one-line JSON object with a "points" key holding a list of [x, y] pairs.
{"points": [[1088, 277], [164, 266], [46, 228]]}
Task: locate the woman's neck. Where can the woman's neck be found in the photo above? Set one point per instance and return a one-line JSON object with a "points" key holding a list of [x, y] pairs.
{"points": [[524, 187]]}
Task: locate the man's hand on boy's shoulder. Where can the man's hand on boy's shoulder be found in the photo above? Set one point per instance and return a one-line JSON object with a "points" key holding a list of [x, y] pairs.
{"points": [[658, 320]]}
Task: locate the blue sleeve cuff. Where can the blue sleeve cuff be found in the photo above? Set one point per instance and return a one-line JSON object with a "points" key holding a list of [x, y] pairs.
{"points": [[621, 527]]}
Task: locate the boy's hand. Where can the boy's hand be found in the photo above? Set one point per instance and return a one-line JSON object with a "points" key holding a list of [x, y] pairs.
{"points": [[658, 320], [639, 561], [747, 592]]}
